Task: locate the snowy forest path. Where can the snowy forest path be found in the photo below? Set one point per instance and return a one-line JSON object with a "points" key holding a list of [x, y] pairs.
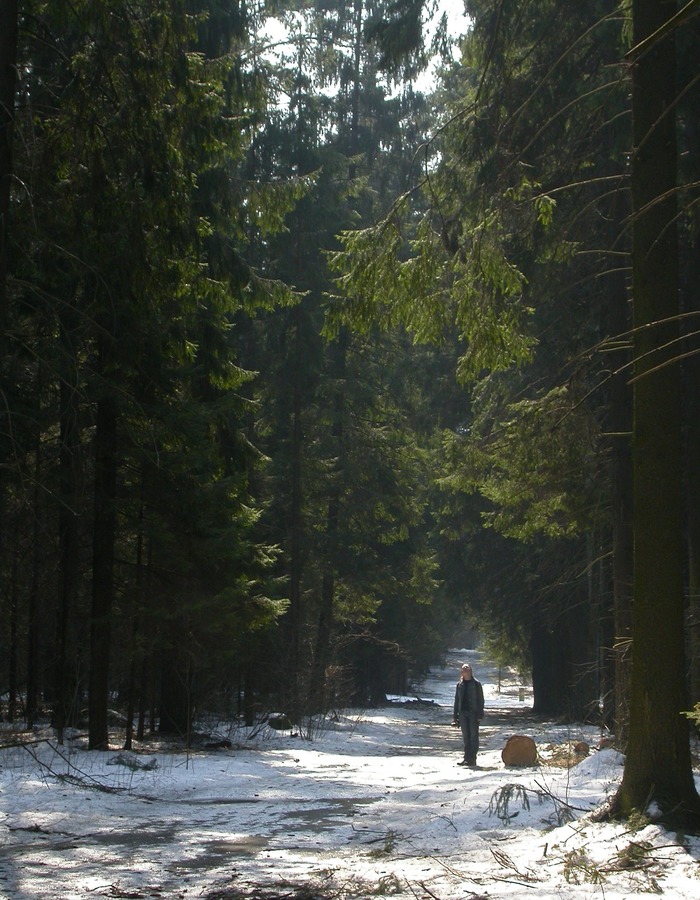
{"points": [[372, 784]]}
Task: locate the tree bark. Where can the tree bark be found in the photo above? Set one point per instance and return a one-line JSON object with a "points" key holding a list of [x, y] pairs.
{"points": [[692, 433], [12, 686], [690, 138], [8, 87], [658, 764], [68, 518], [324, 631], [622, 540], [102, 571], [175, 694], [549, 671], [296, 530]]}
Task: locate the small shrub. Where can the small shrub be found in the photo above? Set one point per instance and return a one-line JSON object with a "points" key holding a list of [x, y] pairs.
{"points": [[390, 840], [387, 885], [501, 800], [638, 820], [634, 856], [578, 869]]}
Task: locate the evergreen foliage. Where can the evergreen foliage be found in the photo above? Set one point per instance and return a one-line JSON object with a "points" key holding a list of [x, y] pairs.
{"points": [[134, 216], [196, 480]]}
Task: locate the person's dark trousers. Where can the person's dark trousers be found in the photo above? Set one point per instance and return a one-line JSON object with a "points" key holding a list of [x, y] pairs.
{"points": [[470, 734]]}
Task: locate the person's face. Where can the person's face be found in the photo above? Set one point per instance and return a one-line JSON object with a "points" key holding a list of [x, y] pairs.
{"points": [[466, 673]]}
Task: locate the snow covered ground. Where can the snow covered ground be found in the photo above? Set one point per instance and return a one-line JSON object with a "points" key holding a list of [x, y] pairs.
{"points": [[373, 804]]}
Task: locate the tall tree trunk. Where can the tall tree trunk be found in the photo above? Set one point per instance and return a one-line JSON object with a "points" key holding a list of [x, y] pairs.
{"points": [[68, 537], [620, 406], [8, 87], [658, 764], [690, 113], [327, 612], [136, 648], [33, 628], [622, 585], [691, 407], [102, 570], [12, 692], [582, 617], [292, 702], [322, 650], [296, 533], [549, 670], [175, 693]]}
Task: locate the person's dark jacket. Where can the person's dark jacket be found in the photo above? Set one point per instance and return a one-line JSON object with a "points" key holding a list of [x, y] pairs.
{"points": [[469, 699]]}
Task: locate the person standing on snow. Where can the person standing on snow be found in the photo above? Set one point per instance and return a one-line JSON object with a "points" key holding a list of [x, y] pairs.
{"points": [[468, 712]]}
